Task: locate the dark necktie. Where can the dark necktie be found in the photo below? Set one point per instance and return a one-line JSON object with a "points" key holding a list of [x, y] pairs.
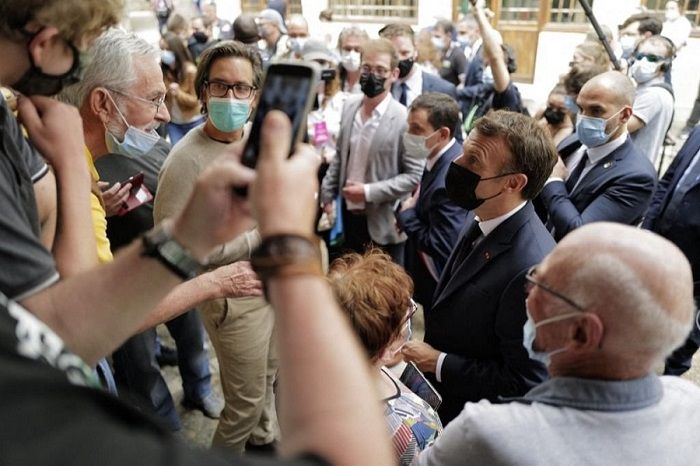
{"points": [[576, 174], [466, 246], [403, 97]]}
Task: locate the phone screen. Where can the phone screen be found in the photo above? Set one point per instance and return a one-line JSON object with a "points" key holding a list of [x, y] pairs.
{"points": [[287, 88]]}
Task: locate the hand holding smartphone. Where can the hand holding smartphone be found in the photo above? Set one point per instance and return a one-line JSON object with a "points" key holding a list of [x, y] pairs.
{"points": [[291, 88]]}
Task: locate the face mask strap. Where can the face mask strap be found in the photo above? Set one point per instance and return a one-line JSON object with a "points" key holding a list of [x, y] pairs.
{"points": [[121, 115], [556, 319]]}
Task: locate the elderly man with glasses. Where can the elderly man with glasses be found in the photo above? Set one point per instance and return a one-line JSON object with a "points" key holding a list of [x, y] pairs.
{"points": [[605, 308], [228, 77], [372, 173]]}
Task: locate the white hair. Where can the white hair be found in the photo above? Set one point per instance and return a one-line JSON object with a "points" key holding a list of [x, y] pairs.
{"points": [[110, 65], [633, 305]]}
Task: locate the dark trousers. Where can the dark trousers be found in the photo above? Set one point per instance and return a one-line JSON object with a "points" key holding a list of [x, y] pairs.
{"points": [[138, 374], [679, 361], [694, 114], [357, 238]]}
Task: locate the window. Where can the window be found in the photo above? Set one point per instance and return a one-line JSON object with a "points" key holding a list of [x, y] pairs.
{"points": [[371, 10], [256, 6], [567, 11], [691, 8], [519, 11]]}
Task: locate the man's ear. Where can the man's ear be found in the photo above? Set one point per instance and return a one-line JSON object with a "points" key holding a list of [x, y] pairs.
{"points": [[42, 49], [626, 114], [517, 182], [587, 333], [100, 104]]}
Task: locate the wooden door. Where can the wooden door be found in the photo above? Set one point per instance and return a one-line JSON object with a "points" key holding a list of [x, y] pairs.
{"points": [[520, 22]]}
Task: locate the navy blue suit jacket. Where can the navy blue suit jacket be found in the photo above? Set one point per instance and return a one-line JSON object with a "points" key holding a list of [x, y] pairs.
{"points": [[478, 314], [432, 83], [434, 224], [617, 189], [684, 230]]}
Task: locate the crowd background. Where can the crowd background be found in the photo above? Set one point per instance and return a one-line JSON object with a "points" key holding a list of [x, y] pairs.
{"points": [[554, 50]]}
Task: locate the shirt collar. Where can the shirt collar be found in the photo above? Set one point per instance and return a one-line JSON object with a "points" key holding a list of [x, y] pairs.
{"points": [[596, 154], [380, 109], [597, 395], [415, 81], [650, 83], [430, 163], [487, 226]]}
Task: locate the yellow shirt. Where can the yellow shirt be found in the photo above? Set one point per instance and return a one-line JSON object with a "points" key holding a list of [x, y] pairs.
{"points": [[99, 216]]}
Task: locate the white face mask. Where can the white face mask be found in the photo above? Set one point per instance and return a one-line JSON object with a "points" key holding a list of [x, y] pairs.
{"points": [[643, 70], [414, 145], [439, 43], [628, 43], [351, 60]]}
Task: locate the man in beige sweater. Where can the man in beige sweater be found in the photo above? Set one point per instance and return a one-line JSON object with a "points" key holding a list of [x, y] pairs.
{"points": [[240, 329]]}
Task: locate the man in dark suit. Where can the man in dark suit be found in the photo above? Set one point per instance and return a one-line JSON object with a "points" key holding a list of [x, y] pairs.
{"points": [[413, 81], [429, 218], [674, 214], [607, 178], [473, 345]]}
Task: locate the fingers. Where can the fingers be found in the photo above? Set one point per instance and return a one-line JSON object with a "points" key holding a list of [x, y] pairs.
{"points": [[28, 113], [227, 172], [274, 137]]}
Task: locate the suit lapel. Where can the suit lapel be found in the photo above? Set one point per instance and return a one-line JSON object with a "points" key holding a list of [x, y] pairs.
{"points": [[604, 165], [496, 243], [351, 109], [379, 137]]}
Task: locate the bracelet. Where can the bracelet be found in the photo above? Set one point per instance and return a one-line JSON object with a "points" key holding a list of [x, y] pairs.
{"points": [[287, 256]]}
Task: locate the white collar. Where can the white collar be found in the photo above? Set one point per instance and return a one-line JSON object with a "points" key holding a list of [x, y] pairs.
{"points": [[487, 226], [415, 80], [430, 162], [381, 107], [596, 154]]}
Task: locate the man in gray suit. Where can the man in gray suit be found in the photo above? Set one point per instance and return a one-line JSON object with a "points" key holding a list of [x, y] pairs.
{"points": [[371, 174]]}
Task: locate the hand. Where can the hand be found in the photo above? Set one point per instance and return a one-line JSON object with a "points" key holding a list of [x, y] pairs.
{"points": [[559, 170], [174, 88], [329, 207], [214, 213], [424, 356], [411, 202], [283, 195], [354, 191], [114, 197], [236, 280], [55, 129]]}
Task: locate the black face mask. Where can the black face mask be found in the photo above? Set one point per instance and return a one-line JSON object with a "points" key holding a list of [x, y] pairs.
{"points": [[461, 184], [405, 67], [36, 82], [371, 84], [200, 37], [553, 117]]}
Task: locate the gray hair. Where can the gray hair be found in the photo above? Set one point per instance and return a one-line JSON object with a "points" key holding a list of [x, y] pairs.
{"points": [[112, 56]]}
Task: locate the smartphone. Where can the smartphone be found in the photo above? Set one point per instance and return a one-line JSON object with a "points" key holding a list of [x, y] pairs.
{"points": [[136, 182], [414, 379], [291, 88]]}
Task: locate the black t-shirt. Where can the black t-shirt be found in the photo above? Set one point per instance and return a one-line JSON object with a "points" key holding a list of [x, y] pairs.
{"points": [[25, 265], [453, 64], [122, 230], [49, 420]]}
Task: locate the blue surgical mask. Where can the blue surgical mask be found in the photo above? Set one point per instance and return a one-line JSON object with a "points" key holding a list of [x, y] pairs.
{"points": [[228, 115], [570, 104], [135, 143], [591, 130], [167, 57], [530, 332]]}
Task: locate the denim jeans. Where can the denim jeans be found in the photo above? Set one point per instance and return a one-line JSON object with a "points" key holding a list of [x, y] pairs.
{"points": [[138, 374]]}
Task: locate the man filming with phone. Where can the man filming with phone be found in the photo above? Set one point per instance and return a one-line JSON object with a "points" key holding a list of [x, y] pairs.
{"points": [[371, 173]]}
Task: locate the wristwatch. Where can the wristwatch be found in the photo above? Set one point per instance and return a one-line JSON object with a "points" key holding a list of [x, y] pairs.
{"points": [[160, 244]]}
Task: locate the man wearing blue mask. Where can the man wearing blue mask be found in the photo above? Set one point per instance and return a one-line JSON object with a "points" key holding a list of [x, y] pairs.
{"points": [[227, 81], [606, 178], [119, 117], [604, 310]]}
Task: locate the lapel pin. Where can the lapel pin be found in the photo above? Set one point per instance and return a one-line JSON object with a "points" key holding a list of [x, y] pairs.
{"points": [[487, 255], [607, 165]]}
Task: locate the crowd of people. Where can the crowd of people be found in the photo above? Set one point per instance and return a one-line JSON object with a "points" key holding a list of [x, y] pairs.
{"points": [[556, 274]]}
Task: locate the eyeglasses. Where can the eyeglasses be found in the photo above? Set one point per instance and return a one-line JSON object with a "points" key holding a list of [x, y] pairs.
{"points": [[651, 58], [377, 70], [240, 91], [531, 283], [155, 102]]}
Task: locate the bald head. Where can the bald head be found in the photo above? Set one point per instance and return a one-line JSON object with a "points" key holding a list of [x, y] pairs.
{"points": [[297, 26], [639, 284], [615, 86]]}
